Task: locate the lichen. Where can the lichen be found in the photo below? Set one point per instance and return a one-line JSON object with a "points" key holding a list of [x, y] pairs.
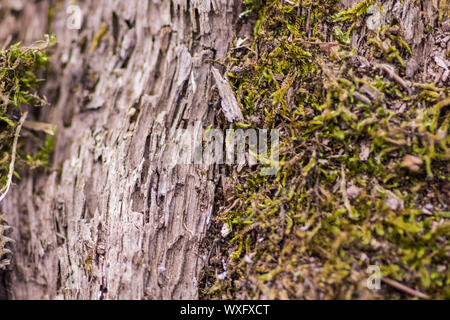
{"points": [[364, 177]]}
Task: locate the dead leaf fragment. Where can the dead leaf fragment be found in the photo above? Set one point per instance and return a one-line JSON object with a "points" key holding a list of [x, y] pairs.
{"points": [[225, 231], [412, 163], [48, 128]]}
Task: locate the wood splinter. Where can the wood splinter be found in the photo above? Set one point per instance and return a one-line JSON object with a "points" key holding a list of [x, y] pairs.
{"points": [[230, 106], [403, 288]]}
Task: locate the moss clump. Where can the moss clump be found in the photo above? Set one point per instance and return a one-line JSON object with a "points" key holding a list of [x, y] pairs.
{"points": [[18, 88], [364, 177]]}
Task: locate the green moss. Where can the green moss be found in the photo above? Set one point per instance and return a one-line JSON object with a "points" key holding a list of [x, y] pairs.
{"points": [[357, 174], [100, 34], [18, 88], [354, 12]]}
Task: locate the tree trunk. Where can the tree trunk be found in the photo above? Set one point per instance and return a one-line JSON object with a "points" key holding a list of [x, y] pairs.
{"points": [[113, 220]]}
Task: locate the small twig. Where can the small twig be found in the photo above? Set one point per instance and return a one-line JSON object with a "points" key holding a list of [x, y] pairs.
{"points": [[322, 43], [344, 191], [212, 61], [13, 156], [7, 42], [395, 76], [402, 287], [361, 97], [235, 203]]}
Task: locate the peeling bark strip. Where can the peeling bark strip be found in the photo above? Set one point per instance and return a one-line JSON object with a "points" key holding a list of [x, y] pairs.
{"points": [[230, 106], [113, 222]]}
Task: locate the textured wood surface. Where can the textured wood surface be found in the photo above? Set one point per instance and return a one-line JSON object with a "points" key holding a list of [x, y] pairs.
{"points": [[115, 220]]}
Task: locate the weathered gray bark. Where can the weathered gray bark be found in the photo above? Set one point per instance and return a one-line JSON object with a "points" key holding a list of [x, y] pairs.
{"points": [[113, 220]]}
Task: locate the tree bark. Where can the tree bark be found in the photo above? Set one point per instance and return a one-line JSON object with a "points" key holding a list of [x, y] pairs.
{"points": [[113, 220]]}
